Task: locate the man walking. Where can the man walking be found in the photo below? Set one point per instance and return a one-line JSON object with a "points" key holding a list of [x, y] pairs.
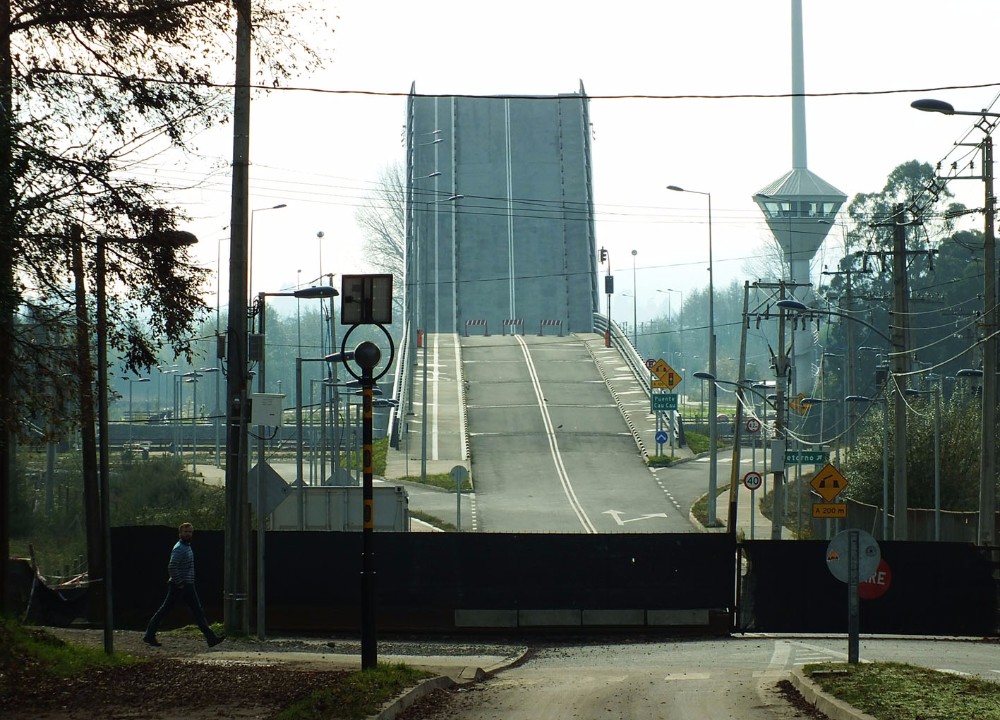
{"points": [[180, 586]]}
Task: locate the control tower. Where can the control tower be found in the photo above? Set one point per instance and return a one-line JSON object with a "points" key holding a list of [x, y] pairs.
{"points": [[800, 207]]}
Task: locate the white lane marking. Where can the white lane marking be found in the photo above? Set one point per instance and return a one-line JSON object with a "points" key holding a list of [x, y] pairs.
{"points": [[617, 515], [689, 676], [463, 431], [574, 503], [435, 385]]}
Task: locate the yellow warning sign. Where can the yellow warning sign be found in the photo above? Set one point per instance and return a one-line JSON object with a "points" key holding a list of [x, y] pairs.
{"points": [[664, 376], [828, 482], [829, 510]]}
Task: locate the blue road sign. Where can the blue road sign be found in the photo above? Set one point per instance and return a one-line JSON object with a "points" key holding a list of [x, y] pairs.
{"points": [[662, 437]]}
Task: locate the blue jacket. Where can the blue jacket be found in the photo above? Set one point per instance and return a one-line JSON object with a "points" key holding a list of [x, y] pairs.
{"points": [[181, 565]]}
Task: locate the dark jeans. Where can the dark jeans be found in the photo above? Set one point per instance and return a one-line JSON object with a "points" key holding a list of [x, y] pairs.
{"points": [[189, 595]]}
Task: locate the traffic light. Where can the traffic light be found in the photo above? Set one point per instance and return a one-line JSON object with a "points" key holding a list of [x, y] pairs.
{"points": [[604, 255]]}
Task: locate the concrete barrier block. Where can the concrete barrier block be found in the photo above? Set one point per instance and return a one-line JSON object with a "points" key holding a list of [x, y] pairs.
{"points": [[485, 618], [677, 617], [548, 618], [614, 617]]}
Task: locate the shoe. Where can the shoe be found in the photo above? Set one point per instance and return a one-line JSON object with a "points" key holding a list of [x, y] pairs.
{"points": [[151, 641], [216, 640]]}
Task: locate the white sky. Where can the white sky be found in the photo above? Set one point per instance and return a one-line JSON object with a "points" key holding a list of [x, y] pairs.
{"points": [[320, 152]]}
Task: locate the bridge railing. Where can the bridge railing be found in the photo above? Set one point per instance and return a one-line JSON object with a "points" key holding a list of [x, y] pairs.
{"points": [[400, 388], [635, 362]]}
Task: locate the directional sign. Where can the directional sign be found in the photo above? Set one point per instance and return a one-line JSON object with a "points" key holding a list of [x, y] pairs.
{"points": [[812, 457], [828, 482], [664, 376], [662, 401], [752, 480], [661, 437]]}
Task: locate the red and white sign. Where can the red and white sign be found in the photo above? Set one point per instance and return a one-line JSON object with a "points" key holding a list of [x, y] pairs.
{"points": [[877, 585], [650, 362], [753, 425], [752, 480]]}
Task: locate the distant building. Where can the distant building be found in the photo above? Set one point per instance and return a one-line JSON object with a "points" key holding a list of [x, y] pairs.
{"points": [[500, 222]]}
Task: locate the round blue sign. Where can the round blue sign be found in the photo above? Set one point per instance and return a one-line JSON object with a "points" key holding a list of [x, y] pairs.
{"points": [[662, 437]]}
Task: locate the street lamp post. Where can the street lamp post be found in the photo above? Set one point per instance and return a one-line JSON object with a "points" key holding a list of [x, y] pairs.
{"points": [[635, 306], [160, 238], [987, 464], [885, 455], [713, 431], [131, 382], [253, 213], [936, 392], [670, 315], [321, 291]]}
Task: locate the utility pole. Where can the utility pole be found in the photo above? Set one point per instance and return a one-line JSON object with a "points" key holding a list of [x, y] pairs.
{"points": [[987, 472], [237, 522], [778, 445], [734, 477], [900, 366]]}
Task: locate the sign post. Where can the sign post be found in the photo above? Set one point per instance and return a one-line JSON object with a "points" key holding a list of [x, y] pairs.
{"points": [[851, 555]]}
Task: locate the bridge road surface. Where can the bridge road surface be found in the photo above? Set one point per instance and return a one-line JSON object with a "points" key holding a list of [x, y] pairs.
{"points": [[551, 451]]}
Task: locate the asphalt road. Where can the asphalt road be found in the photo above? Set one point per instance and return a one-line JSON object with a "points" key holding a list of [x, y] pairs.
{"points": [[552, 452], [731, 678]]}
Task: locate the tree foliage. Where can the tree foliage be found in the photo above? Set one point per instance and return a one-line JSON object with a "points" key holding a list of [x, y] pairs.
{"points": [[95, 89], [382, 218]]}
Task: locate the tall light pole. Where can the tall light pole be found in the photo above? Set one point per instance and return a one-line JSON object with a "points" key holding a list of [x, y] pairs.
{"points": [[253, 213], [158, 238], [635, 304], [260, 500], [987, 463], [680, 336], [131, 382], [713, 430]]}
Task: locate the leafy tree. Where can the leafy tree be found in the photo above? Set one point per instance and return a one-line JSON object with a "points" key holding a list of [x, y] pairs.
{"points": [[382, 217], [88, 89]]}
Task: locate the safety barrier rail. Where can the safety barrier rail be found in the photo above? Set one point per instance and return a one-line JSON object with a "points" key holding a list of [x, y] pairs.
{"points": [[549, 323], [477, 323], [513, 324]]}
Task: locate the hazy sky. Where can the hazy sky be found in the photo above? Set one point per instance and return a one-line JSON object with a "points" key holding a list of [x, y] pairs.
{"points": [[319, 152]]}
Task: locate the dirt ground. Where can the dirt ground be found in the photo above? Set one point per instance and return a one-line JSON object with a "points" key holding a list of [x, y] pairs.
{"points": [[181, 682]]}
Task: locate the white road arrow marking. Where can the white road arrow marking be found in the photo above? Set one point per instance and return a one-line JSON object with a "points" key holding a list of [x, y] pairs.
{"points": [[617, 515]]}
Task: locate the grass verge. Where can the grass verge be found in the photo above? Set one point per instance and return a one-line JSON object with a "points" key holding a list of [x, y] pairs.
{"points": [[25, 647], [359, 695], [899, 691], [440, 480]]}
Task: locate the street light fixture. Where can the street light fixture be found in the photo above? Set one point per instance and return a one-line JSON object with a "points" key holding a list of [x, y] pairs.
{"points": [[885, 455], [987, 463], [713, 434], [315, 292], [131, 418], [158, 238], [635, 304]]}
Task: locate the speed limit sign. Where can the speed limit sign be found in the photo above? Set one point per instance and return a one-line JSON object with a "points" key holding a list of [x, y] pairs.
{"points": [[753, 425], [752, 480]]}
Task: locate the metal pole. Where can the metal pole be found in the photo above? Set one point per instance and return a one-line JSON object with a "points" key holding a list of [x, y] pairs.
{"points": [[900, 365], [237, 508], [103, 450], [885, 467], [778, 505], [261, 494], [635, 304], [987, 474], [937, 461], [299, 486], [367, 356]]}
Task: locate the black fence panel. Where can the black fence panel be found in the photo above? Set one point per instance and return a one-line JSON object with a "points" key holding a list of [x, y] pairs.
{"points": [[936, 588], [314, 578]]}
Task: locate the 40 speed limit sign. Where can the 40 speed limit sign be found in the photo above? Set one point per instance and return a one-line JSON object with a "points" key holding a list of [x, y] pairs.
{"points": [[752, 480]]}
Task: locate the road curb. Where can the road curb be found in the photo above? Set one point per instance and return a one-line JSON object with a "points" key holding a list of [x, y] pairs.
{"points": [[420, 690], [827, 704]]}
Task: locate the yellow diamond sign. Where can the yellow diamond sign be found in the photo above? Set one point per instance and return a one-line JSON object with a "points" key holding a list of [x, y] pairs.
{"points": [[828, 482], [664, 376]]}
